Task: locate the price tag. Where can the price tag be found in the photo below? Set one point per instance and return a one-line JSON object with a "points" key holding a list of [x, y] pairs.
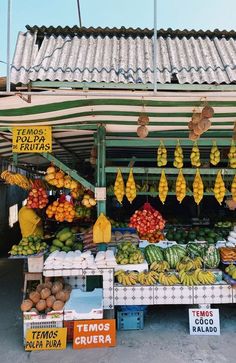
{"points": [[204, 322], [100, 193]]}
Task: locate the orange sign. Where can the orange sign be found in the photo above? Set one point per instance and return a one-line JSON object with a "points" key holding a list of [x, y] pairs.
{"points": [[94, 334], [46, 339]]}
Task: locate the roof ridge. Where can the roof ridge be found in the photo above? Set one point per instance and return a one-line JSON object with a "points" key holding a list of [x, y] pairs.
{"points": [[123, 31]]}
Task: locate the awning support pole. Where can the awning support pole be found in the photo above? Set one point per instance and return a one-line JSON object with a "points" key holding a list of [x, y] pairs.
{"points": [[8, 88], [155, 48]]}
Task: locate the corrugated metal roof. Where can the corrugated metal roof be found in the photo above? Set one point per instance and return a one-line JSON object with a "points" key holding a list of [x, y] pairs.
{"points": [[124, 56]]}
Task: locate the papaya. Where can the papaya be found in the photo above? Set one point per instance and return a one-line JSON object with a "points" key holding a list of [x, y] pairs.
{"points": [[64, 230], [54, 248], [66, 249], [69, 242], [57, 243], [64, 236]]}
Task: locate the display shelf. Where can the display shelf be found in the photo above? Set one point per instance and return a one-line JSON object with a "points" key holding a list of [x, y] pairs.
{"points": [[220, 293], [106, 273]]}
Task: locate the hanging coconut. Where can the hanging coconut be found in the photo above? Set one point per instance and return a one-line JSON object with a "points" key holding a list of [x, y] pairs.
{"points": [[196, 117], [143, 119], [193, 136], [142, 131], [207, 112]]}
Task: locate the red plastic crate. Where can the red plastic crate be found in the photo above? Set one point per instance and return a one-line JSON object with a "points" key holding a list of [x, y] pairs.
{"points": [[70, 328]]}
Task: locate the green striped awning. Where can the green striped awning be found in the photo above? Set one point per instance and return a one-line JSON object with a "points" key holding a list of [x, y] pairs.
{"points": [[75, 118]]}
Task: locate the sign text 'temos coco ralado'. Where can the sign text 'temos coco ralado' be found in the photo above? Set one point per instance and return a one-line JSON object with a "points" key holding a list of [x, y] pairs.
{"points": [[31, 139]]}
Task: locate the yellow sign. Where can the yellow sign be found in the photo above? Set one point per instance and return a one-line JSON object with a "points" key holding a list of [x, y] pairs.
{"points": [[31, 139], [46, 339]]}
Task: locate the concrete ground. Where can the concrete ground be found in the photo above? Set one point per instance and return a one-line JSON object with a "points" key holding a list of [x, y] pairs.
{"points": [[165, 338]]}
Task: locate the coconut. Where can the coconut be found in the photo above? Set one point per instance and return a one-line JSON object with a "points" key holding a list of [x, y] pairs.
{"points": [[34, 296], [196, 117], [45, 293], [41, 305], [142, 132], [26, 305], [207, 112], [58, 305]]}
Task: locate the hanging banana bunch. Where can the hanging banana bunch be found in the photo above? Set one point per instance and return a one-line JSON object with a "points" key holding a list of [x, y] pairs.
{"points": [[16, 179], [233, 188], [195, 156], [215, 154], [232, 155], [163, 187], [161, 155], [219, 188], [130, 190], [179, 157], [198, 188], [119, 187], [180, 187]]}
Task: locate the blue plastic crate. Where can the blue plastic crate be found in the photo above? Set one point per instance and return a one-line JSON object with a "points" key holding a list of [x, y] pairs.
{"points": [[130, 320]]}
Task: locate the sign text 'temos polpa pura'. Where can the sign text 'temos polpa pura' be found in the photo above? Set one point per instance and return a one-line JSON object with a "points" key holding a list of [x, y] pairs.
{"points": [[31, 139]]}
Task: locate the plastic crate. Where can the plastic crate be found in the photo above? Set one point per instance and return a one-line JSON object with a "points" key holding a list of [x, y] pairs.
{"points": [[70, 329], [32, 320], [130, 320]]}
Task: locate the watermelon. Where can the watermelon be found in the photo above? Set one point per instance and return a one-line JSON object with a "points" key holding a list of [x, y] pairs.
{"points": [[172, 256], [153, 253], [180, 250], [195, 250], [211, 257]]}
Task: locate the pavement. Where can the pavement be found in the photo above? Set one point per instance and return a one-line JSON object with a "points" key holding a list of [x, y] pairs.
{"points": [[165, 338]]}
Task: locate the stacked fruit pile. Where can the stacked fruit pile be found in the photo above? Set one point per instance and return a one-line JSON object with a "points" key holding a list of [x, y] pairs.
{"points": [[130, 189], [232, 155], [179, 157], [50, 296], [88, 200], [63, 211], [119, 187], [219, 188], [59, 179], [198, 188], [133, 278], [181, 187], [233, 188], [195, 156], [231, 271], [211, 235], [161, 155], [128, 253], [37, 197], [154, 237], [82, 213], [163, 187], [214, 155], [28, 246], [65, 240], [16, 179], [147, 220]]}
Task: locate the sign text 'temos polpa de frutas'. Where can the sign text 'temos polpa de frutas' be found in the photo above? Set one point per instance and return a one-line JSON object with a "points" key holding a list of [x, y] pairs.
{"points": [[31, 139]]}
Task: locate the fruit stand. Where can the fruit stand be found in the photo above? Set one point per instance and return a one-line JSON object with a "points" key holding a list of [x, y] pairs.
{"points": [[144, 191]]}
